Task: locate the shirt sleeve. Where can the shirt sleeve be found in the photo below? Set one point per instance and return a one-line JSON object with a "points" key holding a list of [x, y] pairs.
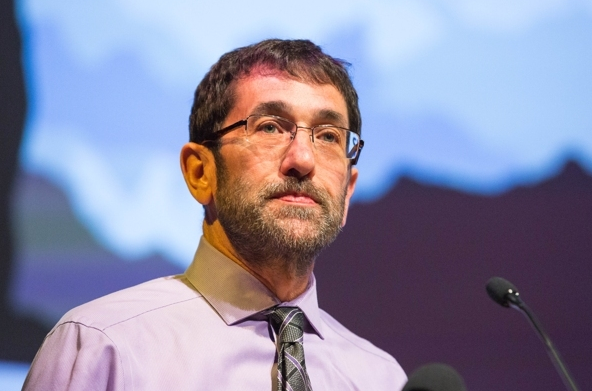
{"points": [[76, 357]]}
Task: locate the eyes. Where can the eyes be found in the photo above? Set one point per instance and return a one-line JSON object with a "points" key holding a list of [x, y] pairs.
{"points": [[328, 134], [270, 132], [268, 126]]}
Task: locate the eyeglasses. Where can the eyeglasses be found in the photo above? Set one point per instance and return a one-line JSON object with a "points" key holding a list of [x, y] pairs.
{"points": [[273, 132]]}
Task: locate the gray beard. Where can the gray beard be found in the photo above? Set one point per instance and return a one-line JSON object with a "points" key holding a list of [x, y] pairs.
{"points": [[268, 237]]}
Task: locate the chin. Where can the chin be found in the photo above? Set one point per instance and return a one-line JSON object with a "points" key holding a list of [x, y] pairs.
{"points": [[298, 227]]}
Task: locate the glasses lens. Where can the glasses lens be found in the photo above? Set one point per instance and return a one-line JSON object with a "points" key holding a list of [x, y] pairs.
{"points": [[331, 140], [271, 131], [352, 145]]}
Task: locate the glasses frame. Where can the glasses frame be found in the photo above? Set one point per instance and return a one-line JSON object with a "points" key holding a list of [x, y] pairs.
{"points": [[243, 122]]}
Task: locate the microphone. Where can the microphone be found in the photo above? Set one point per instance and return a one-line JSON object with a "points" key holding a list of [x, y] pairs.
{"points": [[505, 293], [435, 377]]}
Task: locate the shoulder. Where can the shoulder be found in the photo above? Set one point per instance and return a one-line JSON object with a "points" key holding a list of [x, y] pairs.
{"points": [[359, 344], [96, 346], [368, 357], [156, 295]]}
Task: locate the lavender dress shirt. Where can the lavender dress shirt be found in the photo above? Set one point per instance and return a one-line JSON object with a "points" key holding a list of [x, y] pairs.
{"points": [[200, 331]]}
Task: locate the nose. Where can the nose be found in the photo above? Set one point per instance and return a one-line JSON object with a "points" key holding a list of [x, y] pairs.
{"points": [[299, 159]]}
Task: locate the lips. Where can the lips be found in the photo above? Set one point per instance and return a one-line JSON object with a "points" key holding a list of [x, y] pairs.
{"points": [[296, 197], [292, 190]]}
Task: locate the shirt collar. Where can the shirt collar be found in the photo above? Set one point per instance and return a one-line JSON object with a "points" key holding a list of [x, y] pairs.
{"points": [[236, 294]]}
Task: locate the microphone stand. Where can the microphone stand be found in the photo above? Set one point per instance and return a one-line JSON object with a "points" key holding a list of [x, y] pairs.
{"points": [[515, 302]]}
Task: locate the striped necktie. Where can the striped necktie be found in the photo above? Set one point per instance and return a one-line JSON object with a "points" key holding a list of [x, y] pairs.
{"points": [[288, 322]]}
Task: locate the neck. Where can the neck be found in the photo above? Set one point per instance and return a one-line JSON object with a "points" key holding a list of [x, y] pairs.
{"points": [[285, 286], [286, 282]]}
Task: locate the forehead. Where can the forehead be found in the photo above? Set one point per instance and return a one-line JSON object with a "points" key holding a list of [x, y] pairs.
{"points": [[282, 95]]}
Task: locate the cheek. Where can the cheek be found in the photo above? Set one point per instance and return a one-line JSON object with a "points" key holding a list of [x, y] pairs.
{"points": [[245, 160], [336, 181]]}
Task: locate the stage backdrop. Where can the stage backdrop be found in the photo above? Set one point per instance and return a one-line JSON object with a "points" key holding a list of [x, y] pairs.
{"points": [[477, 118]]}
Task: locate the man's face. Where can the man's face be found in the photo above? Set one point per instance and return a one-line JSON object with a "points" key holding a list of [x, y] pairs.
{"points": [[280, 206]]}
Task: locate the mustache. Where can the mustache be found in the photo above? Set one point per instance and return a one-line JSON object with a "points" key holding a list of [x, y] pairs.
{"points": [[295, 185]]}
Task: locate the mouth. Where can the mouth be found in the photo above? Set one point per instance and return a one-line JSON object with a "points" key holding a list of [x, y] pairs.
{"points": [[300, 198]]}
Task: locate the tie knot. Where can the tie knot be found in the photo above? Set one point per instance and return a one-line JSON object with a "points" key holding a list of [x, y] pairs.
{"points": [[288, 323]]}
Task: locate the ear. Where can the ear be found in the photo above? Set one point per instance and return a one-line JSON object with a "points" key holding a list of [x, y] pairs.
{"points": [[198, 167], [351, 185]]}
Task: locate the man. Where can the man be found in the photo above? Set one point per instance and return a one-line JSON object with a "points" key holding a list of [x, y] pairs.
{"points": [[275, 134]]}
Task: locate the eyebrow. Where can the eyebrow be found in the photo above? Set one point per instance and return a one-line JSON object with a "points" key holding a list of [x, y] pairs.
{"points": [[331, 115], [276, 107], [282, 108]]}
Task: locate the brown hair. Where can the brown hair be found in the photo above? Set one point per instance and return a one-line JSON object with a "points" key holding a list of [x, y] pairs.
{"points": [[301, 59]]}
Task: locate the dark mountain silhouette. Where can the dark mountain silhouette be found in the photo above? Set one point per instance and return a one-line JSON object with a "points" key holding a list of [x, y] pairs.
{"points": [[409, 274]]}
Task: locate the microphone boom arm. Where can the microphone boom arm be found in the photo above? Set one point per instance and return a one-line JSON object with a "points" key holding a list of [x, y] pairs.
{"points": [[514, 301]]}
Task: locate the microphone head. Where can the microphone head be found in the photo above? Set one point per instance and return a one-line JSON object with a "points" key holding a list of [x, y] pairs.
{"points": [[501, 290], [435, 377]]}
